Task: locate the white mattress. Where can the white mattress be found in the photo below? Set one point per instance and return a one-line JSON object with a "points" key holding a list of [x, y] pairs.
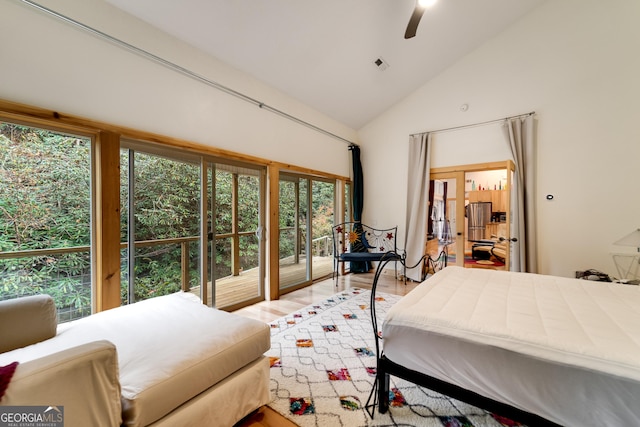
{"points": [[566, 349]]}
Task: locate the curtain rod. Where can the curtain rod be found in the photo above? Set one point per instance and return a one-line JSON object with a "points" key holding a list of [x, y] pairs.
{"points": [[175, 67], [474, 124]]}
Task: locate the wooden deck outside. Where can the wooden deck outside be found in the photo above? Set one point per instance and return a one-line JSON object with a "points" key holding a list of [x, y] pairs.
{"points": [[233, 290]]}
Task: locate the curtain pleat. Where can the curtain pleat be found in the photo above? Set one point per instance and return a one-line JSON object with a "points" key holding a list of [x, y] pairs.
{"points": [[519, 133], [417, 202]]}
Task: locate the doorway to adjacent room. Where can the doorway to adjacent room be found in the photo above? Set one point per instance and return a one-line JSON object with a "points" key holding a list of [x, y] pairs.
{"points": [[470, 215]]}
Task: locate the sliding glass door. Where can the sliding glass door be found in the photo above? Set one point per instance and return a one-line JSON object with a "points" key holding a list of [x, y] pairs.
{"points": [[236, 238], [323, 195], [172, 206], [307, 212], [160, 219], [293, 230]]}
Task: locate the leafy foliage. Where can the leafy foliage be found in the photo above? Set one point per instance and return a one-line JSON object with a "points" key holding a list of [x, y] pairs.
{"points": [[166, 206], [45, 203], [322, 211]]}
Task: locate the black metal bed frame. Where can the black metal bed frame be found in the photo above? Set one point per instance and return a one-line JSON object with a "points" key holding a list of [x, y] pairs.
{"points": [[379, 395]]}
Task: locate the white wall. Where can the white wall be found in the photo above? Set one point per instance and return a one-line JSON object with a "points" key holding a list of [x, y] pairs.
{"points": [[574, 62], [50, 64]]}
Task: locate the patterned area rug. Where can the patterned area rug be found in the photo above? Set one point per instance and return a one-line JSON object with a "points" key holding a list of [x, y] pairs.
{"points": [[323, 367]]}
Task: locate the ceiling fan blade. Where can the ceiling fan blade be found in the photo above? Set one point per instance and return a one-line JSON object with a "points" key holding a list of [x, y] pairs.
{"points": [[412, 27]]}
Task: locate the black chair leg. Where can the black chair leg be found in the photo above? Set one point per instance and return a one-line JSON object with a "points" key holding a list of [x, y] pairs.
{"points": [[383, 391]]}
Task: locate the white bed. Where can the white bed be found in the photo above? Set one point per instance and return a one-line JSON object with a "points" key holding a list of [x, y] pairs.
{"points": [[567, 350]]}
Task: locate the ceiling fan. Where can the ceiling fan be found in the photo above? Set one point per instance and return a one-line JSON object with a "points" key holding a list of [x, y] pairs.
{"points": [[418, 11]]}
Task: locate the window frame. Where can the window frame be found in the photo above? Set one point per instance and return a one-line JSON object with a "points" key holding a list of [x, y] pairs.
{"points": [[105, 217]]}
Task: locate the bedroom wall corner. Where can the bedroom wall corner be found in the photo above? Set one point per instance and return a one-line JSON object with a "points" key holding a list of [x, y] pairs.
{"points": [[571, 62]]}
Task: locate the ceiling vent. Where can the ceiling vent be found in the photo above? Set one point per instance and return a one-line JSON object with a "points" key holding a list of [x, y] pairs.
{"points": [[381, 64]]}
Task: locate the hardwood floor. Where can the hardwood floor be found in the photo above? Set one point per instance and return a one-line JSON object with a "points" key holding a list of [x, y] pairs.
{"points": [[265, 417], [236, 290], [268, 311]]}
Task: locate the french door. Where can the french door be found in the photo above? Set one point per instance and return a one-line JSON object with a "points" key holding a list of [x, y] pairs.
{"points": [[445, 222], [470, 214]]}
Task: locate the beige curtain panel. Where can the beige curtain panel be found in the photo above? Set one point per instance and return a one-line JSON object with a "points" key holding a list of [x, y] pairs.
{"points": [[519, 132], [417, 202]]}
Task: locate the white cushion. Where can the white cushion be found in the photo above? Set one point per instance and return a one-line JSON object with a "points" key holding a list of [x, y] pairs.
{"points": [[27, 320], [170, 349]]}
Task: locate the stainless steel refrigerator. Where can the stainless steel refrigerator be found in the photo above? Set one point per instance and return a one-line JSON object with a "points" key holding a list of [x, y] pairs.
{"points": [[478, 216]]}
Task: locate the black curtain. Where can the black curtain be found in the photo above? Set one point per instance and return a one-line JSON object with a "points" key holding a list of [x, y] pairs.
{"points": [[358, 193], [358, 202]]}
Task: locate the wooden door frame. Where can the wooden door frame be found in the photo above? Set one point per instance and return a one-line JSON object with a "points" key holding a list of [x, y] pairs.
{"points": [[458, 173], [459, 214]]}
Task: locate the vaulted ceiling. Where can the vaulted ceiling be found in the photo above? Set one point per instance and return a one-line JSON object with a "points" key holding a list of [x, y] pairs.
{"points": [[324, 53]]}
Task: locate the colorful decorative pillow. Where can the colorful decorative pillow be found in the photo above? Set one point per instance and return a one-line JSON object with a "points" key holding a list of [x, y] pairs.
{"points": [[6, 373]]}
